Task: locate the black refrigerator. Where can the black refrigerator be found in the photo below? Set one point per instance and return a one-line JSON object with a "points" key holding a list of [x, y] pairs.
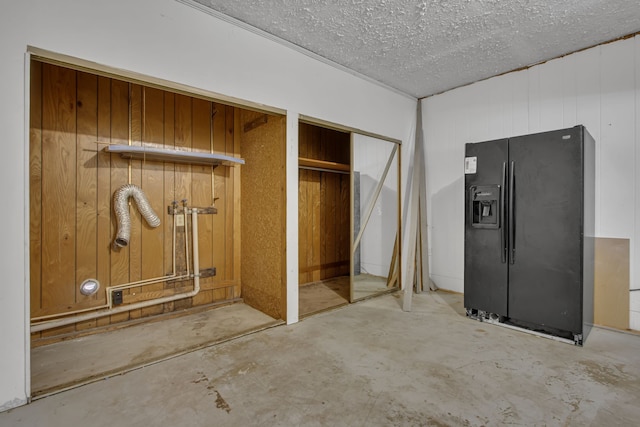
{"points": [[529, 232]]}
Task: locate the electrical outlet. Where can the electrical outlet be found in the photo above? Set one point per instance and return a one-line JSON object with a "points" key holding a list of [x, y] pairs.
{"points": [[116, 297], [179, 220]]}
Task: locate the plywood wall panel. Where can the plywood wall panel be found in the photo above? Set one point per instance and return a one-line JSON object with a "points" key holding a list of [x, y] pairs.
{"points": [[263, 215]]}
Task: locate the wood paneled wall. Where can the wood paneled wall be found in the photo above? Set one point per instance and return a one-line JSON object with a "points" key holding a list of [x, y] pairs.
{"points": [[72, 223], [323, 206]]}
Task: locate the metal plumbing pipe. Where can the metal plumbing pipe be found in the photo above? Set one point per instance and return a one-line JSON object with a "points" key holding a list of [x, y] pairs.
{"points": [[121, 208], [37, 327]]}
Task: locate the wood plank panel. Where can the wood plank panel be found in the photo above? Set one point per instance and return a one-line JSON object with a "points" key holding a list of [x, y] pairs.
{"points": [[303, 222], [219, 145], [324, 233], [85, 112], [201, 188], [86, 186], [226, 232], [345, 223], [119, 177], [183, 137], [104, 235], [169, 192], [316, 225], [35, 188], [237, 213], [135, 240], [323, 205], [58, 188], [152, 239], [332, 229]]}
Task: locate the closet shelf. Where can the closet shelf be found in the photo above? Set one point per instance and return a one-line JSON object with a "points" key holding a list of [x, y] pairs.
{"points": [[304, 162], [175, 156]]}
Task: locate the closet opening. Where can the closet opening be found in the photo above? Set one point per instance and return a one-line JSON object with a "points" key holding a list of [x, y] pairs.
{"points": [[149, 235], [348, 217]]}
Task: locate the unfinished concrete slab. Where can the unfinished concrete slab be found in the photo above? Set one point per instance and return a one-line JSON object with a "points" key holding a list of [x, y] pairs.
{"points": [[323, 295], [369, 364], [78, 361]]}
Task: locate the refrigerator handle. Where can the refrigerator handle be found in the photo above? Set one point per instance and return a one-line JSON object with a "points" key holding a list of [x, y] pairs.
{"points": [[511, 214], [503, 207]]}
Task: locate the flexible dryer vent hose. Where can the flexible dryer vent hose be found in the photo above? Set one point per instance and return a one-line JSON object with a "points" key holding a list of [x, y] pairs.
{"points": [[120, 206]]}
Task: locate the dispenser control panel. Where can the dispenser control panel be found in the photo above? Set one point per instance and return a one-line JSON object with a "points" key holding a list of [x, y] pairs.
{"points": [[484, 205]]}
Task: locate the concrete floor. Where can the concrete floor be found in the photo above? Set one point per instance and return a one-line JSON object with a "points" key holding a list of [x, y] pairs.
{"points": [[369, 364], [319, 296], [86, 359]]}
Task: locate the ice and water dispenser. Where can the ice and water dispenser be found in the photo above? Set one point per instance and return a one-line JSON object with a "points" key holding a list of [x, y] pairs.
{"points": [[485, 206]]}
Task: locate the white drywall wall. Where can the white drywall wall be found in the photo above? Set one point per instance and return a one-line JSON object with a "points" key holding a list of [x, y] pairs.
{"points": [[598, 87], [167, 40]]}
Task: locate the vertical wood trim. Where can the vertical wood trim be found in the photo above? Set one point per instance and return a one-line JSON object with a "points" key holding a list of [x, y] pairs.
{"points": [[292, 146]]}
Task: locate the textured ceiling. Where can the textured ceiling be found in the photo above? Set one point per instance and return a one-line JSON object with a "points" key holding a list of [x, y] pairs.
{"points": [[425, 47]]}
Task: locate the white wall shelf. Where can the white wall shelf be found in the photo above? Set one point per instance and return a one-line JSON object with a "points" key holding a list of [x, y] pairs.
{"points": [[174, 156]]}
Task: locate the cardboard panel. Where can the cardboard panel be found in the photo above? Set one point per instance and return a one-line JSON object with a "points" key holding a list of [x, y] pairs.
{"points": [[611, 293]]}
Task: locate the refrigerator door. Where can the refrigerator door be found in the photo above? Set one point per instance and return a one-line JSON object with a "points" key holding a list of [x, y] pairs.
{"points": [[545, 274], [485, 266]]}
